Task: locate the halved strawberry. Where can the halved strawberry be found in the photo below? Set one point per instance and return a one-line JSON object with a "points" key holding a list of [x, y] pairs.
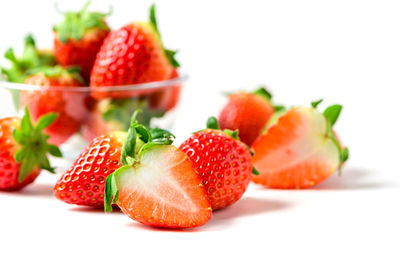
{"points": [[158, 186], [300, 150], [131, 55]]}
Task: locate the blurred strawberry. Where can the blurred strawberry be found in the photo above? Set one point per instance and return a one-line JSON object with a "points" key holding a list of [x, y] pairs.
{"points": [[57, 95], [78, 38], [131, 55]]}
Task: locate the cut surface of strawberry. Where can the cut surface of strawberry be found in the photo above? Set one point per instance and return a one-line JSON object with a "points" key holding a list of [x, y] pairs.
{"points": [[158, 185], [300, 150]]}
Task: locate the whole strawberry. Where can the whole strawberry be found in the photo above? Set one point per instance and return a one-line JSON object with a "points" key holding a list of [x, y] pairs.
{"points": [[131, 55], [78, 38], [30, 59], [300, 150], [157, 184], [222, 161], [23, 150], [57, 96], [248, 113], [83, 183]]}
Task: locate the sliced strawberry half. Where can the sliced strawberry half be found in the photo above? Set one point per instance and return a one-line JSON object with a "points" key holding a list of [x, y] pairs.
{"points": [[300, 150], [158, 186]]}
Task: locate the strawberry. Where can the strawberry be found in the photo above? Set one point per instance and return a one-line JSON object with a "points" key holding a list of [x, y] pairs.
{"points": [[83, 183], [300, 150], [69, 105], [131, 55], [23, 150], [158, 185], [78, 38], [247, 112], [166, 98], [31, 59], [222, 161]]}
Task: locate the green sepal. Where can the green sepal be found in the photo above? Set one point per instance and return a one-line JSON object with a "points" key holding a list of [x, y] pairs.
{"points": [[264, 93], [31, 58], [332, 113], [212, 123], [34, 147], [255, 171], [140, 138], [233, 134], [170, 54], [110, 190], [75, 24], [315, 104], [128, 148]]}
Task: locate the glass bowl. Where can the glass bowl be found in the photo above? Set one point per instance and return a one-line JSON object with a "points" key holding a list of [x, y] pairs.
{"points": [[85, 112]]}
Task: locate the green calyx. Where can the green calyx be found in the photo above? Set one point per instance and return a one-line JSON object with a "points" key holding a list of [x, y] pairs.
{"points": [[212, 123], [138, 140], [170, 54], [76, 24], [264, 93], [331, 115], [34, 146], [58, 71], [31, 58]]}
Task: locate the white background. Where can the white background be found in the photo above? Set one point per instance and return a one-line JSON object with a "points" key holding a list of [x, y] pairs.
{"points": [[346, 52]]}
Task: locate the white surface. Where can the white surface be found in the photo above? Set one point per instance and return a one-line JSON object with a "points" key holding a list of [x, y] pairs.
{"points": [[343, 51]]}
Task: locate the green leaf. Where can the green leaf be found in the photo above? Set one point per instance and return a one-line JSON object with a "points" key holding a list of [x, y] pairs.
{"points": [[212, 123], [144, 133], [108, 193], [27, 165], [20, 155], [233, 134], [171, 57], [255, 171], [262, 91], [26, 122], [153, 18], [46, 120], [345, 154], [315, 104], [54, 150], [157, 133], [44, 163], [19, 136], [128, 148], [332, 113]]}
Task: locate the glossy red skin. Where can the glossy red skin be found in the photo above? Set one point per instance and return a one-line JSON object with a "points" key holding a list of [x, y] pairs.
{"points": [[84, 182], [223, 163], [9, 168], [247, 113], [81, 52], [130, 55], [69, 106], [166, 98]]}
